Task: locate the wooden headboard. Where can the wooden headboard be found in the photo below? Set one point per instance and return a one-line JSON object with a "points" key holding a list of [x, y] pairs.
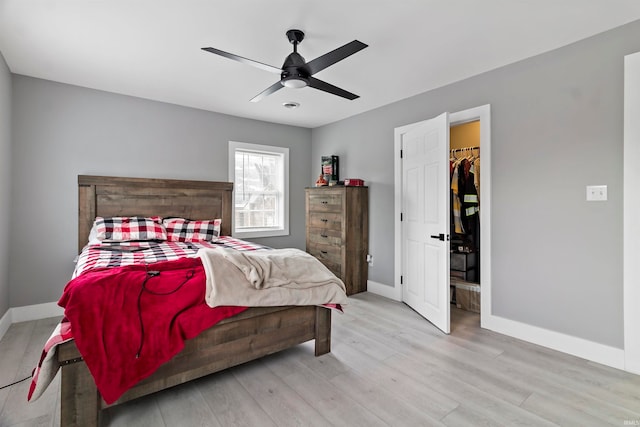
{"points": [[115, 196]]}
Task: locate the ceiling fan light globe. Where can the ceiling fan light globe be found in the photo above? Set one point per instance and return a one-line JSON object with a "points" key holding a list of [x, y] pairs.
{"points": [[294, 82]]}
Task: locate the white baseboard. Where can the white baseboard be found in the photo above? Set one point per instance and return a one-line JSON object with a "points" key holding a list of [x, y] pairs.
{"points": [[575, 346], [27, 313], [579, 347], [384, 290], [5, 322], [632, 366], [35, 312]]}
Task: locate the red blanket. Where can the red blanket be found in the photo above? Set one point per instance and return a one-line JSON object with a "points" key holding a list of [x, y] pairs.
{"points": [[145, 314]]}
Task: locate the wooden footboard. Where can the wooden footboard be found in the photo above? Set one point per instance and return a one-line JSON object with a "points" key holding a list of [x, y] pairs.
{"points": [[251, 334]]}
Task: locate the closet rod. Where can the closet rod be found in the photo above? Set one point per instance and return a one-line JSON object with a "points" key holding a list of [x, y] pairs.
{"points": [[464, 149]]}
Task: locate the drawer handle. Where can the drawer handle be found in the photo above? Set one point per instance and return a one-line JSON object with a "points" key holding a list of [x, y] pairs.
{"points": [[324, 220], [324, 252], [324, 235], [324, 202]]}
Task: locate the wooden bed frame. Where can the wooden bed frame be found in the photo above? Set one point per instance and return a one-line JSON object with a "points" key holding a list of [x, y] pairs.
{"points": [[249, 335]]}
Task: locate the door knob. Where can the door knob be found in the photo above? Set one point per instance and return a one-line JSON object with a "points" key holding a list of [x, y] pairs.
{"points": [[440, 236]]}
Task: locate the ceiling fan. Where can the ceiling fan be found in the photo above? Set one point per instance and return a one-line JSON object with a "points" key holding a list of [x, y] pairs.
{"points": [[296, 72]]}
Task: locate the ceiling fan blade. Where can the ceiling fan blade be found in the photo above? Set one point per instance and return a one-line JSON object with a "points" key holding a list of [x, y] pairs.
{"points": [[268, 91], [322, 62], [257, 64], [326, 87]]}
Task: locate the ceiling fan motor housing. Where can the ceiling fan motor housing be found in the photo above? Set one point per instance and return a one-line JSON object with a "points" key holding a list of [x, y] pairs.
{"points": [[294, 72]]}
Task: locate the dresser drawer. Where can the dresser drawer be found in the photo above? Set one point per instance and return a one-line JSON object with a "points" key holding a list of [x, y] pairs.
{"points": [[325, 201], [325, 220], [325, 236], [326, 252], [334, 267]]}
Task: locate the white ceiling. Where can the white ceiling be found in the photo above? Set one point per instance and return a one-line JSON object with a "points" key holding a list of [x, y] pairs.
{"points": [[151, 48]]}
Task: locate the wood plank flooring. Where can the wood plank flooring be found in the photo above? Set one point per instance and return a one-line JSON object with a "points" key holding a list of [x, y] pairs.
{"points": [[388, 367]]}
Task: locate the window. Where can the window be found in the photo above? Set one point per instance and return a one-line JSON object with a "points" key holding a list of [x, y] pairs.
{"points": [[260, 174]]}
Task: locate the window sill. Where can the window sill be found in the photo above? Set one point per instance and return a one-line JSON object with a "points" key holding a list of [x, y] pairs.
{"points": [[260, 233]]}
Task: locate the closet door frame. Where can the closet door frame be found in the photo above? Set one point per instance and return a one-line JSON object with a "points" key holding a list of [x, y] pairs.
{"points": [[631, 207], [483, 114]]}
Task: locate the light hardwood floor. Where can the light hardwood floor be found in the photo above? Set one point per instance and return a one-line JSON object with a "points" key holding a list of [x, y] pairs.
{"points": [[388, 366]]}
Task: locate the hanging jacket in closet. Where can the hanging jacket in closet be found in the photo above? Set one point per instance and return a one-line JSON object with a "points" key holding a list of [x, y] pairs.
{"points": [[456, 206], [469, 202]]}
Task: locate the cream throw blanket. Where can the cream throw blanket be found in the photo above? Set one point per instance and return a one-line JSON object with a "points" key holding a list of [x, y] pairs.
{"points": [[268, 278]]}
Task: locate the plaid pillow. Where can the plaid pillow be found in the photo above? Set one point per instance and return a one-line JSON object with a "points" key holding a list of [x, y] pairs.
{"points": [[127, 228], [185, 230]]}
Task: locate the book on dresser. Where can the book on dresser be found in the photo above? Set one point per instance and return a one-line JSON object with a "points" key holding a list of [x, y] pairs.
{"points": [[337, 220]]}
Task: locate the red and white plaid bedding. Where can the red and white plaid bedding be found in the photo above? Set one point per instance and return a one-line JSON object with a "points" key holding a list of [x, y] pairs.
{"points": [[117, 255], [108, 255]]}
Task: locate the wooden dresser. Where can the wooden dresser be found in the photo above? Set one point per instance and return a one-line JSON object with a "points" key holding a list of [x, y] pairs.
{"points": [[338, 232]]}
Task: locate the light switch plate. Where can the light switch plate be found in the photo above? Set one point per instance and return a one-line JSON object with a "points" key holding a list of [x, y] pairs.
{"points": [[596, 193]]}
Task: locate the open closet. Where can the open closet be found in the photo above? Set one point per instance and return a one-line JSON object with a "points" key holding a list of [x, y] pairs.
{"points": [[464, 162]]}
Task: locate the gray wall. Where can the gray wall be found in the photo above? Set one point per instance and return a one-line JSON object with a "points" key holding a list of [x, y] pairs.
{"points": [[556, 122], [61, 131], [5, 180]]}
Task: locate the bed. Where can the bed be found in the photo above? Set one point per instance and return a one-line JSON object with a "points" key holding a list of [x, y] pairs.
{"points": [[254, 333]]}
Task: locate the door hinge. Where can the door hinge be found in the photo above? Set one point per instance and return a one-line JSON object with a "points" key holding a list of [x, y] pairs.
{"points": [[400, 153], [401, 280], [400, 216]]}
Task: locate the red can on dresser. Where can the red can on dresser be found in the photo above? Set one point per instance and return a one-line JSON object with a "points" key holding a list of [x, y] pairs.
{"points": [[353, 182]]}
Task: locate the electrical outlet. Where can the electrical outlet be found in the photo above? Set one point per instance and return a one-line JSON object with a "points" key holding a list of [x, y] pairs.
{"points": [[370, 260], [596, 193]]}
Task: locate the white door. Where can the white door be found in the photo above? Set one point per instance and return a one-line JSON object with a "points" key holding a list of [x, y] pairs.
{"points": [[425, 219]]}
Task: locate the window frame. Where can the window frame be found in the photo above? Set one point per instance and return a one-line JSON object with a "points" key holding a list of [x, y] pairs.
{"points": [[283, 229]]}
